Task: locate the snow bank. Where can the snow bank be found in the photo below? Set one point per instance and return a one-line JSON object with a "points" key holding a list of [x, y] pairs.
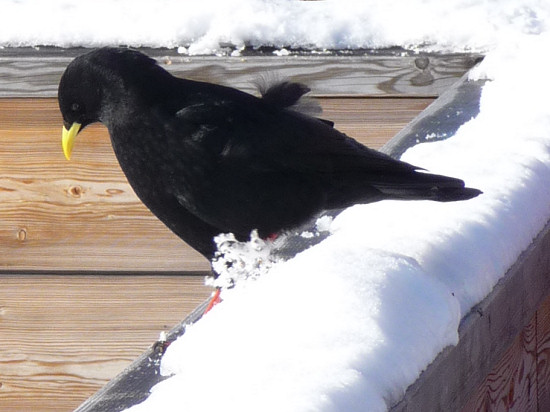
{"points": [[206, 26], [348, 324], [318, 333]]}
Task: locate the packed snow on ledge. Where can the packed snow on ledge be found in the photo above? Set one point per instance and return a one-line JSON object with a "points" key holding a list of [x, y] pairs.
{"points": [[348, 324], [221, 26]]}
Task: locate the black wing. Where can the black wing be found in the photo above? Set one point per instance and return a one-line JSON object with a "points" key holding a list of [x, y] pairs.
{"points": [[292, 163], [267, 131]]}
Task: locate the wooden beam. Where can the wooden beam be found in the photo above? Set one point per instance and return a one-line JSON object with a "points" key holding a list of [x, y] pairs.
{"points": [[33, 72], [543, 356], [440, 121], [512, 384]]}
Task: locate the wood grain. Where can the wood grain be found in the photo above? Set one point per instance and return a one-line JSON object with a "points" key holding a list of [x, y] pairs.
{"points": [[83, 215], [63, 337], [543, 356], [520, 380], [36, 73], [512, 384]]}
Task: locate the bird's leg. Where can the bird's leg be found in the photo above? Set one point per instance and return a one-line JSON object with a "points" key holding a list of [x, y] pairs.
{"points": [[214, 300]]}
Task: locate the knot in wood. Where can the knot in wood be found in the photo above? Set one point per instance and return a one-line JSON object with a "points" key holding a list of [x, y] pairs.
{"points": [[22, 235], [422, 63], [75, 191], [113, 192]]}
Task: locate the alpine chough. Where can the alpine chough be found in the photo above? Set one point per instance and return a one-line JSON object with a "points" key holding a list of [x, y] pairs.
{"points": [[208, 159]]}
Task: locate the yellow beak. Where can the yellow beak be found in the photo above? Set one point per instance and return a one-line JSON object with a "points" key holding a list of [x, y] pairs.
{"points": [[67, 139]]}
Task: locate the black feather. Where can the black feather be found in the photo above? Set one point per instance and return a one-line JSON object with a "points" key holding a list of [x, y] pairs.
{"points": [[284, 94]]}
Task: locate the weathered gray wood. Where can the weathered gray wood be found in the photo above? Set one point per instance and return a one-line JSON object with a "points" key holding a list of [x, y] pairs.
{"points": [[543, 356], [36, 72], [514, 381], [441, 119]]}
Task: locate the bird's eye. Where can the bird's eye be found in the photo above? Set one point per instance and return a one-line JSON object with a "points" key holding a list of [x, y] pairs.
{"points": [[75, 107]]}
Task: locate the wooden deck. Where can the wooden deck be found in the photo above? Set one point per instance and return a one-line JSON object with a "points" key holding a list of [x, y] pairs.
{"points": [[88, 276], [62, 337], [83, 215]]}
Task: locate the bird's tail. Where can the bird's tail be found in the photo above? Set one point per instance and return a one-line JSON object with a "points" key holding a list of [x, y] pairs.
{"points": [[425, 186]]}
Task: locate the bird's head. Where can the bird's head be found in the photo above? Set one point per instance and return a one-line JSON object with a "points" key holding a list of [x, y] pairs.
{"points": [[80, 99], [93, 84]]}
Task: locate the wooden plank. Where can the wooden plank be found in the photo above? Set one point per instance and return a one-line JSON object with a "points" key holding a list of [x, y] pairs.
{"points": [[372, 121], [83, 215], [456, 106], [520, 380], [512, 384], [543, 355], [36, 72], [133, 386], [63, 337]]}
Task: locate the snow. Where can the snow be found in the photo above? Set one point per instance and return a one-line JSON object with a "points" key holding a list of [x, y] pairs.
{"points": [[207, 26], [348, 324], [238, 261]]}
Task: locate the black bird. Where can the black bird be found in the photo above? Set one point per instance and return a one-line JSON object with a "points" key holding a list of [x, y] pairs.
{"points": [[208, 159]]}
